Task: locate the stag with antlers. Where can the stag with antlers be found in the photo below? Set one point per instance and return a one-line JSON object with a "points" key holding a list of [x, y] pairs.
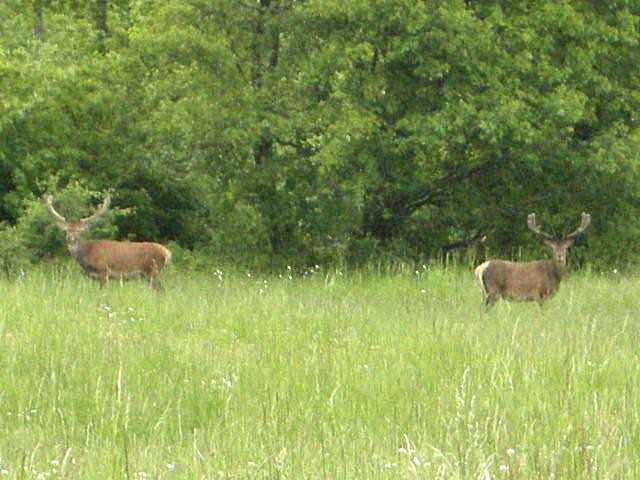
{"points": [[105, 259], [536, 280]]}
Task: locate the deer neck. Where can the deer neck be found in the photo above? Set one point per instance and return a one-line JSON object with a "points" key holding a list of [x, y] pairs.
{"points": [[558, 267], [75, 249]]}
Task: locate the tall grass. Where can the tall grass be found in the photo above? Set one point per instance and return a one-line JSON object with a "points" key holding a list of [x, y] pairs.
{"points": [[324, 375]]}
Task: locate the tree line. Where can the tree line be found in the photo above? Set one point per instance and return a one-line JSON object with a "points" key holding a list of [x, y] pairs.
{"points": [[301, 132]]}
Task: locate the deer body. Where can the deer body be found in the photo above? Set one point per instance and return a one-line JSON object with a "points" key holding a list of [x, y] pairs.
{"points": [[537, 280], [105, 259]]}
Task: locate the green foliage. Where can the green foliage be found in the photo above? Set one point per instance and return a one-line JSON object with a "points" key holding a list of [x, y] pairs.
{"points": [[14, 256], [280, 132]]}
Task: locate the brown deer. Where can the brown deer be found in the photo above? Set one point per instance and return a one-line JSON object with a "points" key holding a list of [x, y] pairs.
{"points": [[104, 259], [537, 280]]}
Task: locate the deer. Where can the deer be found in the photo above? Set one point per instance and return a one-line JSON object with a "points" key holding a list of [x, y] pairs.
{"points": [[105, 259], [528, 281]]}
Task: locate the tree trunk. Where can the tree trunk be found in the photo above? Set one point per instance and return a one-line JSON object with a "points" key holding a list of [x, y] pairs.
{"points": [[38, 21], [101, 22]]}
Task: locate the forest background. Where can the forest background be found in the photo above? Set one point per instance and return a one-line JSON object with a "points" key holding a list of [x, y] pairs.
{"points": [[269, 133]]}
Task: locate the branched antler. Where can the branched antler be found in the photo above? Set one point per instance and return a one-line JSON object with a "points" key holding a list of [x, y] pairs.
{"points": [[533, 226], [586, 221], [99, 213], [57, 216], [531, 223]]}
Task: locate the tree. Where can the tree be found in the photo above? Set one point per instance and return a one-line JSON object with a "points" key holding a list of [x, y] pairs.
{"points": [[300, 132]]}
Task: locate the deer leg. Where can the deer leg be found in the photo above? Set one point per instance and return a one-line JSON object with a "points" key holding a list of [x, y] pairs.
{"points": [[491, 299], [102, 278], [156, 285], [152, 273], [541, 300]]}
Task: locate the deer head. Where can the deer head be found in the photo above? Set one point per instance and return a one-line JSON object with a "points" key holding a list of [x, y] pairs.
{"points": [[73, 231], [559, 247]]}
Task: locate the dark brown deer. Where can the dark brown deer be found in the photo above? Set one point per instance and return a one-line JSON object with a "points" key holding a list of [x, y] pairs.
{"points": [[105, 259], [537, 280]]}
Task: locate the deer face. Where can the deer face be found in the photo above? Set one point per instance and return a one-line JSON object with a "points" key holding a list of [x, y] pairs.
{"points": [[559, 249], [73, 232]]}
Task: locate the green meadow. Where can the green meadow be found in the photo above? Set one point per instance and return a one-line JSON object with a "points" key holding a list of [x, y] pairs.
{"points": [[317, 375]]}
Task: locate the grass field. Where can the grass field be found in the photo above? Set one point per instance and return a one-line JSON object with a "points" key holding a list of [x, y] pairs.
{"points": [[322, 375]]}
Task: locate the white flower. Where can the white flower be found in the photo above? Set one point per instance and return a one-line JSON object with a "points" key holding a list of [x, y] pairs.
{"points": [[511, 452], [503, 468], [171, 466]]}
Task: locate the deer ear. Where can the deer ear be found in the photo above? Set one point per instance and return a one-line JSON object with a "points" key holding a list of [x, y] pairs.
{"points": [[550, 243]]}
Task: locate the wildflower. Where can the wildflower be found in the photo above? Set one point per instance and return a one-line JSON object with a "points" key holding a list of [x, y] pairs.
{"points": [[4, 471], [171, 466], [504, 468], [511, 452]]}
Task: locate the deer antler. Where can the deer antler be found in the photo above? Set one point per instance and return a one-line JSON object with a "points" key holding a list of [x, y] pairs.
{"points": [[531, 223], [49, 200], [586, 221], [100, 212]]}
